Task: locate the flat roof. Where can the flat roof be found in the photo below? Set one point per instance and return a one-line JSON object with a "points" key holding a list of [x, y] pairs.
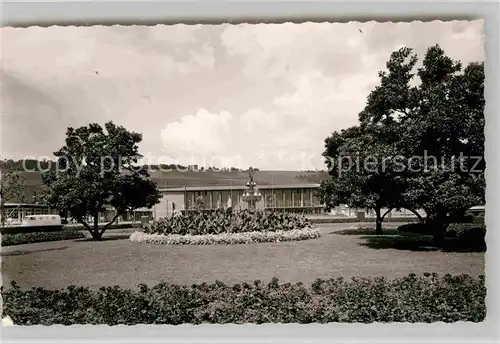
{"points": [[24, 205], [239, 187]]}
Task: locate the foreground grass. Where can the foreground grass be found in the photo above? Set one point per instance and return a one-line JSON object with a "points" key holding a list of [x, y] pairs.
{"points": [[428, 298], [29, 238]]}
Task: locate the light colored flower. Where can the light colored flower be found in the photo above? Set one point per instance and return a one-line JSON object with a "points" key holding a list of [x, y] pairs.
{"points": [[226, 238], [7, 321]]}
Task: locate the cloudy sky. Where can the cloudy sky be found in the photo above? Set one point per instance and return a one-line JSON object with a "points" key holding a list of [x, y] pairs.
{"points": [[240, 95]]}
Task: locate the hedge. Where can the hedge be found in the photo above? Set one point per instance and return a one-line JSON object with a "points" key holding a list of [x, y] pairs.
{"points": [[29, 238], [468, 235], [29, 229], [418, 228], [427, 298], [226, 238]]}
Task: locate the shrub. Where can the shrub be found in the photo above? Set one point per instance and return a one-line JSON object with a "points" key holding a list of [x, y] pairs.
{"points": [[478, 219], [33, 237], [409, 299], [226, 238], [469, 236], [472, 234], [418, 228], [218, 222]]}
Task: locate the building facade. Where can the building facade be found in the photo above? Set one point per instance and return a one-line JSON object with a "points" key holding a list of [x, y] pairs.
{"points": [[299, 198]]}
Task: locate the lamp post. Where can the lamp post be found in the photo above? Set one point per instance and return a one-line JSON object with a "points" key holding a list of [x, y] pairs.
{"points": [[251, 196]]}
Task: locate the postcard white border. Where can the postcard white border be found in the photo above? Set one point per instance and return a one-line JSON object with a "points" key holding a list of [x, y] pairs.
{"points": [[17, 13]]}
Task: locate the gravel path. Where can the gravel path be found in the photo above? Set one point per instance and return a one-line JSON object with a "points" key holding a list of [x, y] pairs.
{"points": [[119, 261]]}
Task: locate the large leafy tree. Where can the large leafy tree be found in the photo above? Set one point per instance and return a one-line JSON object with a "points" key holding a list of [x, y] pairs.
{"points": [[361, 172], [426, 127], [97, 169], [434, 115]]}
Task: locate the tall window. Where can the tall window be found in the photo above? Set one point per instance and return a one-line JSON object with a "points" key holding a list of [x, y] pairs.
{"points": [[307, 197], [297, 193], [279, 198]]}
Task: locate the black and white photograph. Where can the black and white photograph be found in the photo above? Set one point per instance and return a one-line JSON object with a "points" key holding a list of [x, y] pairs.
{"points": [[300, 173]]}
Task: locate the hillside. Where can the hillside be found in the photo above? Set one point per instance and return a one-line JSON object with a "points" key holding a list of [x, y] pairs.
{"points": [[33, 180]]}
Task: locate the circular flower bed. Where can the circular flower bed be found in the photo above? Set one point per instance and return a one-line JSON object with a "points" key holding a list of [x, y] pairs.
{"points": [[226, 227]]}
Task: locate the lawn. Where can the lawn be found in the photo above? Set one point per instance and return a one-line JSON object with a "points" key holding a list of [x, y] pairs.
{"points": [[117, 261]]}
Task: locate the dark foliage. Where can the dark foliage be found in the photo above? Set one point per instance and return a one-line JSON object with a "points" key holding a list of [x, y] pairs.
{"points": [[409, 299], [220, 221], [418, 228], [468, 235], [96, 170]]}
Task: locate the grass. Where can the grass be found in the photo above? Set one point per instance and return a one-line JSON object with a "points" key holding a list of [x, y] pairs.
{"points": [[120, 262]]}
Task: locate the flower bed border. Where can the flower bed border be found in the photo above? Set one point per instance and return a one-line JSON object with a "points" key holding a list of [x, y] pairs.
{"points": [[227, 238]]}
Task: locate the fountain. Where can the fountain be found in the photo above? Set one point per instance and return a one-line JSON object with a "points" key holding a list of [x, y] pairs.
{"points": [[251, 196]]}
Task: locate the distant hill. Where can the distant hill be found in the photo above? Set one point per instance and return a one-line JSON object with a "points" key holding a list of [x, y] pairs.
{"points": [[179, 178], [191, 178]]}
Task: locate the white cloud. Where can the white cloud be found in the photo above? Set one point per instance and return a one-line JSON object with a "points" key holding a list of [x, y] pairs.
{"points": [[331, 68], [281, 137], [202, 133], [263, 95]]}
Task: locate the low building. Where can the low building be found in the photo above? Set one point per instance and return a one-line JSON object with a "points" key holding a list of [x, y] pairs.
{"points": [[296, 198]]}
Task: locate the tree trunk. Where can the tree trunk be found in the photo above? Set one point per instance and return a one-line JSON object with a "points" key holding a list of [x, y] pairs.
{"points": [[3, 213], [378, 222], [96, 234], [438, 224], [420, 218], [107, 225]]}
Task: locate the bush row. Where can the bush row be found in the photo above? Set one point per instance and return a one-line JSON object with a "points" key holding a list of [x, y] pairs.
{"points": [[226, 238], [469, 235], [428, 298], [29, 238], [29, 229], [221, 221]]}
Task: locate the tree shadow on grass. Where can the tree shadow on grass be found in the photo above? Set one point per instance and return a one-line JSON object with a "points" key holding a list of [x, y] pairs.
{"points": [[106, 238], [416, 242], [364, 231]]}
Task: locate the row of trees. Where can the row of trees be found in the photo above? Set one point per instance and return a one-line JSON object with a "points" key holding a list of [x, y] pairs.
{"points": [[419, 143]]}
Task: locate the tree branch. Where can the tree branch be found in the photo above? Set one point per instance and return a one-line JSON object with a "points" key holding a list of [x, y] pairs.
{"points": [[387, 212], [106, 226], [85, 224], [420, 218]]}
